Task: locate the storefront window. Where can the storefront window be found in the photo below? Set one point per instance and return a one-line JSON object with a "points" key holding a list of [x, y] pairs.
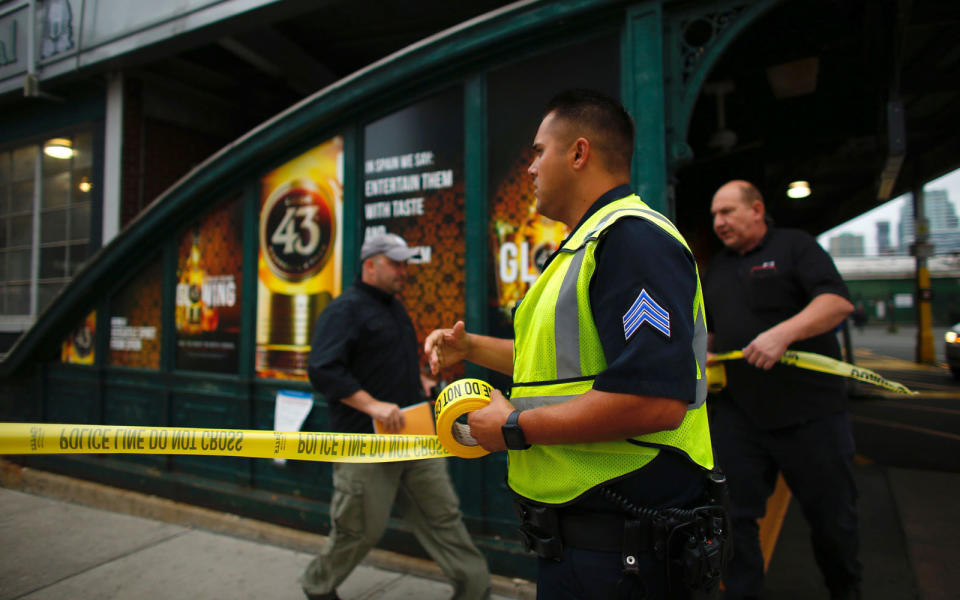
{"points": [[45, 205]]}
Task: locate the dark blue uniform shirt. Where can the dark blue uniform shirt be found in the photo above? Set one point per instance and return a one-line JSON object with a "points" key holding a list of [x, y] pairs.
{"points": [[635, 255]]}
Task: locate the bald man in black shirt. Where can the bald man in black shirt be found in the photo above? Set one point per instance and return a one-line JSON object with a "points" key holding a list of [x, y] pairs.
{"points": [[772, 289]]}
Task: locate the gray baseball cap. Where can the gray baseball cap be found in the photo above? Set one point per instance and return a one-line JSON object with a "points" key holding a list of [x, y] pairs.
{"points": [[391, 244]]}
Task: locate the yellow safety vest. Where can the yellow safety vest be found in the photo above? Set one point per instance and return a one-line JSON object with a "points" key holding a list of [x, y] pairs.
{"points": [[557, 355]]}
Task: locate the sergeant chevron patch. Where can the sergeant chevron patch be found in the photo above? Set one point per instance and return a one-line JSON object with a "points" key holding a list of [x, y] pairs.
{"points": [[645, 310]]}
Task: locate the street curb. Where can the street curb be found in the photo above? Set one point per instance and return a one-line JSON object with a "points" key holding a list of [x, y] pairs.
{"points": [[95, 495]]}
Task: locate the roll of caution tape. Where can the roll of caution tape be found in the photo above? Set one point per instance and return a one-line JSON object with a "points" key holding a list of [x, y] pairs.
{"points": [[453, 404], [717, 379], [456, 400]]}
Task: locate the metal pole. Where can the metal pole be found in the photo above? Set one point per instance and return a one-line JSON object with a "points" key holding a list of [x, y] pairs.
{"points": [[847, 341], [921, 250]]}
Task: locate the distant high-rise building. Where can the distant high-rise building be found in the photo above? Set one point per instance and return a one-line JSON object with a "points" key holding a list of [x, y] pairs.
{"points": [[942, 217], [846, 244], [884, 246]]}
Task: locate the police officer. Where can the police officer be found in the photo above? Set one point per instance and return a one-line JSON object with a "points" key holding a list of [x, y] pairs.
{"points": [[606, 425]]}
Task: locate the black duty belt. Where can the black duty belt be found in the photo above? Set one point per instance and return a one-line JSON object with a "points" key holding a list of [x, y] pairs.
{"points": [[600, 532]]}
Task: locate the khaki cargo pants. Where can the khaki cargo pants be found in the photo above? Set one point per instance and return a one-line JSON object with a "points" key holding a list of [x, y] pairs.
{"points": [[363, 497]]}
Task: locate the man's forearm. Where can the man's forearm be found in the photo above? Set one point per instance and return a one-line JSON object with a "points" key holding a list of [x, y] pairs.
{"points": [[490, 352], [362, 401], [822, 314], [601, 416], [387, 413]]}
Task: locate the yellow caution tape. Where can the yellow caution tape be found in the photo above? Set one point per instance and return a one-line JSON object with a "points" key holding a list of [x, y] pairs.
{"points": [[53, 438], [456, 400], [716, 376]]}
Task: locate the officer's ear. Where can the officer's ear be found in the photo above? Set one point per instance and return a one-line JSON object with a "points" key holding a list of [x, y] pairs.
{"points": [[580, 153]]}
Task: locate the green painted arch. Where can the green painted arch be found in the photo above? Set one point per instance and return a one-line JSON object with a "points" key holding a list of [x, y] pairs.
{"points": [[449, 57]]}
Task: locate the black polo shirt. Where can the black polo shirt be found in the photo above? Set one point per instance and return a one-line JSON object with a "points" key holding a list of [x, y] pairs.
{"points": [[747, 294], [364, 339]]}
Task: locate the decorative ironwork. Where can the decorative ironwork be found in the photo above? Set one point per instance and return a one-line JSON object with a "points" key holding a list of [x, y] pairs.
{"points": [[698, 33], [695, 36]]}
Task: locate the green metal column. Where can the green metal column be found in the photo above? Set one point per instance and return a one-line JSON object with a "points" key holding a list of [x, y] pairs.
{"points": [[352, 201], [246, 353], [642, 77], [477, 207]]}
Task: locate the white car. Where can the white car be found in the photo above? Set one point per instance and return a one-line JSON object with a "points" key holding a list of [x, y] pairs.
{"points": [[952, 338]]}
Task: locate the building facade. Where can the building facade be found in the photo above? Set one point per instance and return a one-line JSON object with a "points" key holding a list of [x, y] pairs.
{"points": [[846, 244], [941, 217]]}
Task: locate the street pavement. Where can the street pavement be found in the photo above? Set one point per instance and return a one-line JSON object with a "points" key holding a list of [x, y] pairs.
{"points": [[908, 477], [65, 538], [898, 341]]}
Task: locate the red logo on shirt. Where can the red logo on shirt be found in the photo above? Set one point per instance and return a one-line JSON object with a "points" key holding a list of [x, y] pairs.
{"points": [[768, 266]]}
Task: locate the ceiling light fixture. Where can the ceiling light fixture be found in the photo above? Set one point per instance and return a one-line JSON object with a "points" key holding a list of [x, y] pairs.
{"points": [[798, 189], [58, 148], [85, 185]]}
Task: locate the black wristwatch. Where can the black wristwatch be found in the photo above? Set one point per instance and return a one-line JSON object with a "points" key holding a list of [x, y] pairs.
{"points": [[513, 434]]}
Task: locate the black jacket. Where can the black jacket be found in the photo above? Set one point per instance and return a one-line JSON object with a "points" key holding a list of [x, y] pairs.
{"points": [[364, 339]]}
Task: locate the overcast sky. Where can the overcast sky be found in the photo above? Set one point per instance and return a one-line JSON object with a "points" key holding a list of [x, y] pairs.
{"points": [[865, 224]]}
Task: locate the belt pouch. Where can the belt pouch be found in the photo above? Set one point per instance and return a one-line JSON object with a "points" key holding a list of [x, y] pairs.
{"points": [[539, 529]]}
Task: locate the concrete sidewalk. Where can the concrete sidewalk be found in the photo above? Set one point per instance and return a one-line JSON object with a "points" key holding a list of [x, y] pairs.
{"points": [[55, 545], [66, 538]]}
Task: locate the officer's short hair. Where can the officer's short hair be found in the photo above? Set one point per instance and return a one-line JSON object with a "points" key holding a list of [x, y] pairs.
{"points": [[600, 119]]}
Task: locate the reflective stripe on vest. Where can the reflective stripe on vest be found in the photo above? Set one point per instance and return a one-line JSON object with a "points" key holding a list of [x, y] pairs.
{"points": [[557, 362]]}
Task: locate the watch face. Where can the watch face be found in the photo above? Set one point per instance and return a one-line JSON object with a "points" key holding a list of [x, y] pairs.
{"points": [[513, 434]]}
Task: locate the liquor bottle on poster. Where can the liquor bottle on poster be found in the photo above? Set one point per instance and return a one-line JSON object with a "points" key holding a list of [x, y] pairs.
{"points": [[193, 315], [78, 347], [297, 233]]}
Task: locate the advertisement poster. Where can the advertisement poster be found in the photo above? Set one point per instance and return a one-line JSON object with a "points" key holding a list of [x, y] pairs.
{"points": [[207, 300], [135, 320], [78, 347], [300, 257], [520, 238], [413, 186]]}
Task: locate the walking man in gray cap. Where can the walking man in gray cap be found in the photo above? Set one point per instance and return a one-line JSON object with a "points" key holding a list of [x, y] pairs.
{"points": [[364, 361]]}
